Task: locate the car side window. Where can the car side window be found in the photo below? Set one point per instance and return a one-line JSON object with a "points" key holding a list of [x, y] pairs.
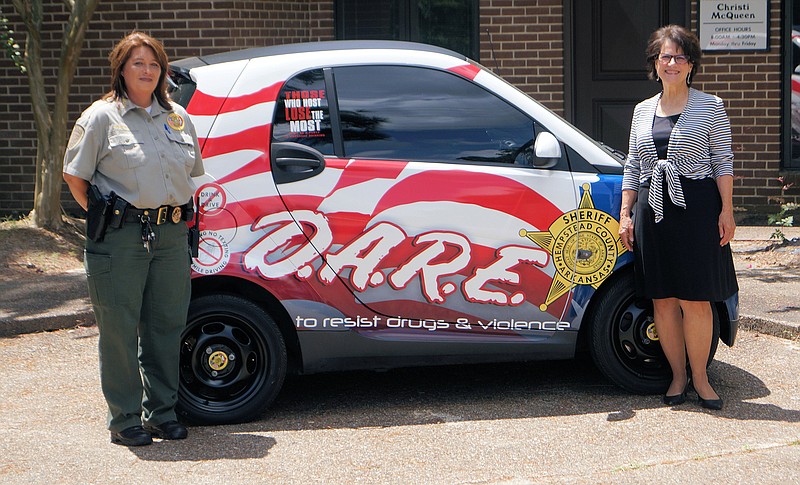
{"points": [[421, 114], [302, 114]]}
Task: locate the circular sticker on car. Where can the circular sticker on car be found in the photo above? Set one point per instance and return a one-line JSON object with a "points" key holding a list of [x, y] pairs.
{"points": [[211, 199], [213, 253]]}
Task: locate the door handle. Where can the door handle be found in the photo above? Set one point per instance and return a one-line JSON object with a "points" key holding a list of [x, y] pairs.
{"points": [[292, 162], [285, 162]]}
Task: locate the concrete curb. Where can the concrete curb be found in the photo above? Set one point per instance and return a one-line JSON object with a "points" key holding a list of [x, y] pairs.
{"points": [[769, 327], [46, 324]]}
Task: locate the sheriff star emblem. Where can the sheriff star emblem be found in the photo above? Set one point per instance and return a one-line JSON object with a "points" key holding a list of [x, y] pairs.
{"points": [[584, 244]]}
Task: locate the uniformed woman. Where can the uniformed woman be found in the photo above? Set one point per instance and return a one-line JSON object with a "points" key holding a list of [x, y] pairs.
{"points": [[137, 148]]}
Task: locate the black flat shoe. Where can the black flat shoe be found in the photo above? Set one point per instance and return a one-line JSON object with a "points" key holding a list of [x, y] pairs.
{"points": [[171, 430], [674, 400], [713, 404], [133, 436]]}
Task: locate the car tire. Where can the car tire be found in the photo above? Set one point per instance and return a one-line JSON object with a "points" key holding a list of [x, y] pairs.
{"points": [[624, 344], [232, 361]]}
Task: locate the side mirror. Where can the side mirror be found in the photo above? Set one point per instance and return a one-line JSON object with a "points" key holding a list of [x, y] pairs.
{"points": [[547, 150]]}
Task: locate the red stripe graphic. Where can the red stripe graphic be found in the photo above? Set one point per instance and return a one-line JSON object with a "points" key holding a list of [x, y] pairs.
{"points": [[269, 93], [468, 71], [358, 171], [203, 104], [471, 188], [255, 138]]}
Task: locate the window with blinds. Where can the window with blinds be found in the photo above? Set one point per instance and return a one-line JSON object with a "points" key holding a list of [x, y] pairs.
{"points": [[452, 24]]}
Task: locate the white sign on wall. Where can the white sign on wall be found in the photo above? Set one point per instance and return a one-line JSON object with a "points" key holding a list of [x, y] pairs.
{"points": [[731, 25]]}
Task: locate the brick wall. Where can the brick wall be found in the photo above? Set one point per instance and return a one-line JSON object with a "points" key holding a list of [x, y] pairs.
{"points": [[522, 40], [187, 28], [750, 85]]}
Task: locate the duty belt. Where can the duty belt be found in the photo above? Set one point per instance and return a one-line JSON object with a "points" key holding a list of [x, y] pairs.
{"points": [[162, 215]]}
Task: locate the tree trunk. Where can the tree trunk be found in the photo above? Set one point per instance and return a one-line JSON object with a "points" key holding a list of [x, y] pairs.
{"points": [[51, 126]]}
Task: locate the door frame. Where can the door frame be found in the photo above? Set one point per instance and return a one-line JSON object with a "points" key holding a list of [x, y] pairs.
{"points": [[675, 9]]}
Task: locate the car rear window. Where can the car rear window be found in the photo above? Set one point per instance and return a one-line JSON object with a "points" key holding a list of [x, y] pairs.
{"points": [[302, 113], [181, 87]]}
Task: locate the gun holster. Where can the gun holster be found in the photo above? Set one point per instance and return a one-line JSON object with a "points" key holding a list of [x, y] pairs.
{"points": [[102, 209]]}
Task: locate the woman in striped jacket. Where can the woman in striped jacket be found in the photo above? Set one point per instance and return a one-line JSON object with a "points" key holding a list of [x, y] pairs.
{"points": [[677, 211]]}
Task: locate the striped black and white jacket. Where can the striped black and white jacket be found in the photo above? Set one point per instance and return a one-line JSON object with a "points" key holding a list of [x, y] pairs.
{"points": [[699, 147]]}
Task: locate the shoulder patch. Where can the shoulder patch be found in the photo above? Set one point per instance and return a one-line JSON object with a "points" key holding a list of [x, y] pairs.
{"points": [[76, 136]]}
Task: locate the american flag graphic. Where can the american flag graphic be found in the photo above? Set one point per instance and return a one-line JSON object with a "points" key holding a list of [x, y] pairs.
{"points": [[375, 240]]}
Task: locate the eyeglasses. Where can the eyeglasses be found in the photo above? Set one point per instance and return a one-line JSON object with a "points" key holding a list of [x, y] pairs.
{"points": [[679, 59]]}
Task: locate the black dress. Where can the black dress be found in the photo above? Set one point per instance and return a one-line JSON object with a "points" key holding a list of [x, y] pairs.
{"points": [[680, 257]]}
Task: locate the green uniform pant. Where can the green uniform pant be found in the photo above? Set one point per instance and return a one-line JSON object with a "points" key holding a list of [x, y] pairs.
{"points": [[140, 302]]}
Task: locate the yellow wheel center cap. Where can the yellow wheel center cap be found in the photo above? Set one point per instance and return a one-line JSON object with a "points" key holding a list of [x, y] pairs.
{"points": [[218, 360], [651, 332]]}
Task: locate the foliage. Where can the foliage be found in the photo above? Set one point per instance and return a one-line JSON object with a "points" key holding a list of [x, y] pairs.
{"points": [[9, 45], [782, 218], [49, 112]]}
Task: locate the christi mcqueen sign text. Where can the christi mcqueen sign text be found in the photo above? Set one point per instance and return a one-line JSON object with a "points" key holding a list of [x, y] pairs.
{"points": [[727, 25]]}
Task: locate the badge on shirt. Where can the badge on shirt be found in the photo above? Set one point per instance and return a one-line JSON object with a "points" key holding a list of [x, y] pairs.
{"points": [[175, 121]]}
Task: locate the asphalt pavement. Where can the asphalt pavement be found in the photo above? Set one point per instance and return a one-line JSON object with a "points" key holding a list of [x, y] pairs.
{"points": [[511, 423], [537, 423], [769, 297]]}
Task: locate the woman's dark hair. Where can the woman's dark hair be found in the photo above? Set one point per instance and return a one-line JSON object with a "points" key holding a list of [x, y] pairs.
{"points": [[122, 52], [682, 38]]}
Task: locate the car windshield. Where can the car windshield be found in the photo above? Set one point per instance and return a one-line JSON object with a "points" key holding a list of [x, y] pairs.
{"points": [[618, 155]]}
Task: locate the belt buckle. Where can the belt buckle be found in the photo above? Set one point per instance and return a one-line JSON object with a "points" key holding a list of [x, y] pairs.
{"points": [[162, 215]]}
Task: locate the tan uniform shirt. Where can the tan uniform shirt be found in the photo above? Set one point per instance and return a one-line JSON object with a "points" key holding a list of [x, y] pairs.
{"points": [[147, 159]]}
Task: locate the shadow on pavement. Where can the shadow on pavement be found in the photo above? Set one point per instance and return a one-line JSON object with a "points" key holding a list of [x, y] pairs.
{"points": [[405, 397], [432, 395], [220, 444], [770, 275], [58, 300]]}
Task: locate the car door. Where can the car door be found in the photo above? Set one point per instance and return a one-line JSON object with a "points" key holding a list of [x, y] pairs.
{"points": [[422, 192]]}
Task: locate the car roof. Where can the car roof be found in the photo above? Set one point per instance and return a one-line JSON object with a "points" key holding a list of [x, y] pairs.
{"points": [[192, 62]]}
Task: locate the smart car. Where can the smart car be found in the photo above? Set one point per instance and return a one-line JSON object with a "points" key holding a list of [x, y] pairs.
{"points": [[371, 205]]}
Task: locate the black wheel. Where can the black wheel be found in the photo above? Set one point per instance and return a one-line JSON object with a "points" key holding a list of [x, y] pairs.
{"points": [[624, 342], [233, 361]]}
